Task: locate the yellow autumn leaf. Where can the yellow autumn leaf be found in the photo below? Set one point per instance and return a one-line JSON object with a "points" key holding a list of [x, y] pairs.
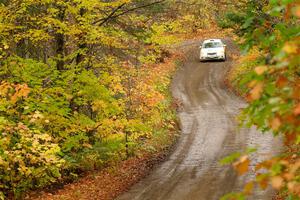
{"points": [[261, 69], [297, 110], [263, 183], [294, 187], [249, 187], [288, 176], [290, 48], [2, 162], [275, 124], [257, 91], [277, 182], [242, 166], [252, 83], [297, 11], [295, 167]]}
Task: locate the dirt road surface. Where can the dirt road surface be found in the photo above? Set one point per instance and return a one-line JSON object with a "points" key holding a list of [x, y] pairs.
{"points": [[209, 132]]}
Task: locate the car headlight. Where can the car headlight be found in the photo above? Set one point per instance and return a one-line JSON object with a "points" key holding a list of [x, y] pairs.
{"points": [[221, 52]]}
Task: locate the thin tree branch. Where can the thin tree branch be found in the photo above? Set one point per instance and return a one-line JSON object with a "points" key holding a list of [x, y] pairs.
{"points": [[104, 20], [113, 14]]}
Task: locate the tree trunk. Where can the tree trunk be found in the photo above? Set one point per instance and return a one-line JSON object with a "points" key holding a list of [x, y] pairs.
{"points": [[82, 44], [60, 43]]}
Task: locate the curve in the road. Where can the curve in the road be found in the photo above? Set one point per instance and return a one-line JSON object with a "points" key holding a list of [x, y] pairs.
{"points": [[209, 133]]}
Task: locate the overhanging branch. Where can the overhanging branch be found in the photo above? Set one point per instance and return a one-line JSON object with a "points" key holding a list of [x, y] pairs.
{"points": [[114, 13]]}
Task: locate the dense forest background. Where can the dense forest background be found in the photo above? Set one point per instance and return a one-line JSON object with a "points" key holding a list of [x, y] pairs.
{"points": [[80, 89]]}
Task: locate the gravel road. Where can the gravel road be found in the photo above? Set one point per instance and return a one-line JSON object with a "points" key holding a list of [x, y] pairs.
{"points": [[209, 132]]}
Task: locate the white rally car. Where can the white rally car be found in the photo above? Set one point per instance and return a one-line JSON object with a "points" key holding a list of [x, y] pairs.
{"points": [[213, 49]]}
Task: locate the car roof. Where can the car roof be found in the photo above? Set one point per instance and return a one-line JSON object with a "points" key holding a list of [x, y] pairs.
{"points": [[212, 40]]}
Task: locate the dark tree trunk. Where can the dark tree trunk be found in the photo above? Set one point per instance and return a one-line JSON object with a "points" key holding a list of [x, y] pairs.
{"points": [[60, 43], [82, 45]]}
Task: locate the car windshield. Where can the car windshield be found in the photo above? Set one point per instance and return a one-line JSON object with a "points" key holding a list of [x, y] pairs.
{"points": [[212, 45]]}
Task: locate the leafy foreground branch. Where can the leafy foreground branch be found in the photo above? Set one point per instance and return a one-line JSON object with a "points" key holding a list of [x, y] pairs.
{"points": [[269, 77]]}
